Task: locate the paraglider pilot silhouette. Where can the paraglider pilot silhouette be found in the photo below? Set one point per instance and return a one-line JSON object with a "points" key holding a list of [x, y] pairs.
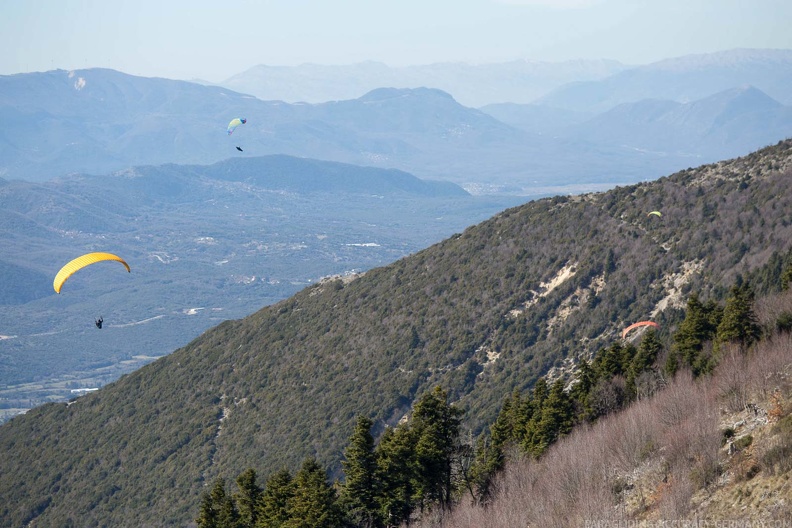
{"points": [[79, 263]]}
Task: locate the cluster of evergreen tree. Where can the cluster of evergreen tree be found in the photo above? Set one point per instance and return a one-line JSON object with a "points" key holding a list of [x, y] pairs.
{"points": [[421, 464], [618, 375], [533, 421], [414, 467], [710, 324]]}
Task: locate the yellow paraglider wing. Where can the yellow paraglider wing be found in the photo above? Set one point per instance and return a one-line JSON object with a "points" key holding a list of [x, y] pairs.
{"points": [[80, 262], [638, 325], [656, 213]]}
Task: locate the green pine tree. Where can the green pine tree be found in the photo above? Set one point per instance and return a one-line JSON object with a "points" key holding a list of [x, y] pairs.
{"points": [[527, 434], [739, 323], [488, 461], [508, 429], [539, 393], [272, 511], [436, 425], [672, 363], [699, 326], [247, 498], [644, 359], [556, 419], [614, 360], [314, 503], [396, 468], [786, 277], [361, 488], [610, 263], [581, 391], [207, 515], [510, 423], [217, 509]]}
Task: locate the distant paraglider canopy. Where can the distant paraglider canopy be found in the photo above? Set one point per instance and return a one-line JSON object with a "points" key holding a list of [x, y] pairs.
{"points": [[638, 325], [239, 149], [235, 123], [656, 213], [79, 263]]}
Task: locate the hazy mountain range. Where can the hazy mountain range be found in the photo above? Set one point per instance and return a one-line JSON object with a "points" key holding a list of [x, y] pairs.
{"points": [[482, 313], [718, 126], [472, 85], [97, 121], [682, 79], [591, 86]]}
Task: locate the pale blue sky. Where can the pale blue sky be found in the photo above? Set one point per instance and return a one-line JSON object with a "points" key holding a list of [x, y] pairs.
{"points": [[215, 39]]}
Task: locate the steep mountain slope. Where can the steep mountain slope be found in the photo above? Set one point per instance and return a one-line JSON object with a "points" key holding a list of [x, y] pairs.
{"points": [[715, 450], [682, 79], [205, 243], [481, 313]]}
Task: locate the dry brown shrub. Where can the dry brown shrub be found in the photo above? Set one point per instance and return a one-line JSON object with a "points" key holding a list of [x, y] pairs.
{"points": [[674, 502], [775, 454], [693, 443], [673, 404], [516, 485], [770, 367], [744, 466], [769, 308], [608, 395], [776, 410], [577, 477], [632, 436], [648, 384], [581, 477], [731, 378]]}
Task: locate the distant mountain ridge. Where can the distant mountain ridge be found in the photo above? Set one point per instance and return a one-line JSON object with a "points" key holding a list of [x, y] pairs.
{"points": [[590, 86], [518, 81], [309, 176], [482, 313], [99, 121], [733, 120], [682, 79]]}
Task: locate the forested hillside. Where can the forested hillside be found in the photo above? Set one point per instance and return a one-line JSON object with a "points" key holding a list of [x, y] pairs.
{"points": [[700, 448], [696, 427], [482, 314]]}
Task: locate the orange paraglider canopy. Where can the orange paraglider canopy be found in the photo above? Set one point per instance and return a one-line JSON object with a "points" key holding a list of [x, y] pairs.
{"points": [[638, 325]]}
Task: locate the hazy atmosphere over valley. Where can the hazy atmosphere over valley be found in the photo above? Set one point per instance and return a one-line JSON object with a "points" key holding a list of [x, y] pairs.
{"points": [[343, 224]]}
